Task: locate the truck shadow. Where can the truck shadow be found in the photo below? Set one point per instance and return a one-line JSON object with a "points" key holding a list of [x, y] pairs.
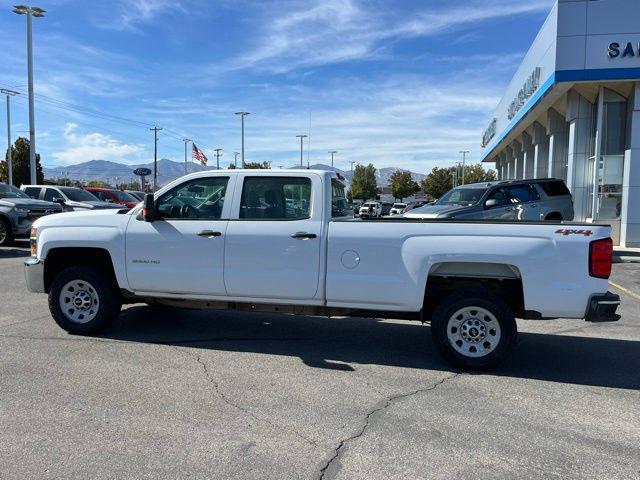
{"points": [[344, 343]]}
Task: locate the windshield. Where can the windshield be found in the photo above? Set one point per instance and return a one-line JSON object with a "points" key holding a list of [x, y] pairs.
{"points": [[78, 195], [9, 191], [124, 196], [462, 196]]}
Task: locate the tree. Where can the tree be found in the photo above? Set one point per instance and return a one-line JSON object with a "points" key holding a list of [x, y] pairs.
{"points": [[363, 183], [438, 182], [258, 165], [98, 184], [403, 185], [20, 163], [232, 166], [476, 173]]}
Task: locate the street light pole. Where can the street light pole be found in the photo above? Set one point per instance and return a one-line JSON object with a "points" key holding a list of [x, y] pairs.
{"points": [[242, 115], [235, 159], [9, 94], [155, 157], [186, 141], [38, 13], [332, 152], [301, 137], [217, 150], [464, 157]]}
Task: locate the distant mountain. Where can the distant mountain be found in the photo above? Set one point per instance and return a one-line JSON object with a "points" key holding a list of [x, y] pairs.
{"points": [[168, 170], [106, 171]]}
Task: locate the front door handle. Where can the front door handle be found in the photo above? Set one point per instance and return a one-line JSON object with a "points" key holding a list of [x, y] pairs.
{"points": [[303, 235], [208, 233]]}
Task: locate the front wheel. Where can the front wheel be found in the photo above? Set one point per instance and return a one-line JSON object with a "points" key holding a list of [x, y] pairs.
{"points": [[473, 329], [83, 300], [6, 233]]}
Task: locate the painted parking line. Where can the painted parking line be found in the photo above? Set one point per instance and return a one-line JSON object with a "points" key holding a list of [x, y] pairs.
{"points": [[625, 290]]}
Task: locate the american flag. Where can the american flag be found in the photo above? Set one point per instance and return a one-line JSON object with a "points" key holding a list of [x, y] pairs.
{"points": [[199, 155]]}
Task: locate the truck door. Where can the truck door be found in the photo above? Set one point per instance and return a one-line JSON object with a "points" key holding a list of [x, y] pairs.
{"points": [[273, 246], [183, 250], [526, 202]]}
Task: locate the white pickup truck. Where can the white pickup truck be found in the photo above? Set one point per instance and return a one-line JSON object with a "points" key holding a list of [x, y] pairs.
{"points": [[281, 241]]}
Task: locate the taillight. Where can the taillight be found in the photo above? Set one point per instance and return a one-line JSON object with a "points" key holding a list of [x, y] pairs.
{"points": [[600, 258]]}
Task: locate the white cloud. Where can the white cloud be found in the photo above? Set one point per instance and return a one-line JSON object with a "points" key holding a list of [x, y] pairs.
{"points": [[94, 146], [333, 31]]}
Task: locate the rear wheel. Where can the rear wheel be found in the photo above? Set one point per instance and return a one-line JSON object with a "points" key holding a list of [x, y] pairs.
{"points": [[6, 233], [84, 300], [473, 329]]}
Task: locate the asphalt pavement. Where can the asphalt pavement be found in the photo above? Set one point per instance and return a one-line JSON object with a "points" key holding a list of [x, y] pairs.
{"points": [[191, 394]]}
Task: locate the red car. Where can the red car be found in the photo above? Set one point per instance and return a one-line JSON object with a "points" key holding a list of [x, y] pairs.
{"points": [[114, 196]]}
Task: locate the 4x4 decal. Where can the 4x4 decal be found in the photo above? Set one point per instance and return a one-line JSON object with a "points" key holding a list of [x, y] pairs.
{"points": [[567, 231]]}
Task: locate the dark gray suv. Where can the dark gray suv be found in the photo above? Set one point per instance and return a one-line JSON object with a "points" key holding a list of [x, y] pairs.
{"points": [[525, 200]]}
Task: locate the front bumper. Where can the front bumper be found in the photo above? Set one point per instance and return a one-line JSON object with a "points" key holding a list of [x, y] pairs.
{"points": [[602, 308], [34, 275]]}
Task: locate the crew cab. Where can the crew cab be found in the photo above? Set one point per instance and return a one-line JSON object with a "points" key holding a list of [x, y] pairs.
{"points": [[262, 240]]}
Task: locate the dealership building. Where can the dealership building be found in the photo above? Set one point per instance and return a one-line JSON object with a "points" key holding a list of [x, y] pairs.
{"points": [[572, 111]]}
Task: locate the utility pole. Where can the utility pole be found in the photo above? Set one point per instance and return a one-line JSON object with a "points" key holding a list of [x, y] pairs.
{"points": [[301, 137], [9, 94], [464, 157], [332, 152], [186, 141], [38, 13], [235, 159], [242, 115], [218, 155], [155, 131]]}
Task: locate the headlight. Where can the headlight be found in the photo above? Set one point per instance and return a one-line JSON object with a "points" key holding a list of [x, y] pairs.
{"points": [[23, 211], [33, 242]]}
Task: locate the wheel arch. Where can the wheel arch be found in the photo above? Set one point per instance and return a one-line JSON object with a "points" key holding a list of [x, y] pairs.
{"points": [[60, 258], [502, 279]]}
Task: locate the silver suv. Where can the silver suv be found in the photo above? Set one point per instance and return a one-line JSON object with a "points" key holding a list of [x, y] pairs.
{"points": [[524, 200], [18, 211], [70, 198]]}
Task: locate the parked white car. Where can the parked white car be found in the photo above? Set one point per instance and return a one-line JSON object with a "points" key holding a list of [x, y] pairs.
{"points": [[397, 208], [370, 209], [270, 240]]}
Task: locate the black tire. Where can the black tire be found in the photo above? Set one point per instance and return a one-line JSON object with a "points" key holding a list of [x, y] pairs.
{"points": [[6, 233], [553, 217], [481, 299], [108, 295]]}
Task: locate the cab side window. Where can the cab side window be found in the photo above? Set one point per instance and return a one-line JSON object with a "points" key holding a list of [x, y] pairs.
{"points": [[201, 198], [50, 195], [521, 194], [276, 198], [501, 196]]}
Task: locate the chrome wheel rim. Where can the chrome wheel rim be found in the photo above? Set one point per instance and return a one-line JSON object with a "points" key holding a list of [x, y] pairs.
{"points": [[79, 301], [3, 232], [473, 331]]}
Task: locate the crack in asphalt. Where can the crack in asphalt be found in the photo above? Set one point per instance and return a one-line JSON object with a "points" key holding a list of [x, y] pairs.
{"points": [[216, 386], [367, 419]]}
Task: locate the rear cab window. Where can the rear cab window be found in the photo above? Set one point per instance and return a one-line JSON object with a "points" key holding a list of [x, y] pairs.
{"points": [[339, 203], [276, 198]]}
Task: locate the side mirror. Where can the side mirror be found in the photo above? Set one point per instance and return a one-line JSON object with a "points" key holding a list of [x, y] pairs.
{"points": [[492, 202], [59, 200], [148, 210]]}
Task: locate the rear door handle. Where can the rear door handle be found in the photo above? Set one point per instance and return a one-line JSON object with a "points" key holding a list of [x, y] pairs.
{"points": [[303, 235], [208, 233]]}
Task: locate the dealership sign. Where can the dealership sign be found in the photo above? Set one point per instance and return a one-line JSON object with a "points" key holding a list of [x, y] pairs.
{"points": [[529, 87], [489, 133], [628, 49]]}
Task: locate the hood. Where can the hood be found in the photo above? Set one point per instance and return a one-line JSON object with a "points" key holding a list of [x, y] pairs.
{"points": [[92, 204], [107, 216], [432, 211], [30, 203]]}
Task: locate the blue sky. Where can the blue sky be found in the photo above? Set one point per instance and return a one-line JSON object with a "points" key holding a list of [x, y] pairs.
{"points": [[395, 83]]}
